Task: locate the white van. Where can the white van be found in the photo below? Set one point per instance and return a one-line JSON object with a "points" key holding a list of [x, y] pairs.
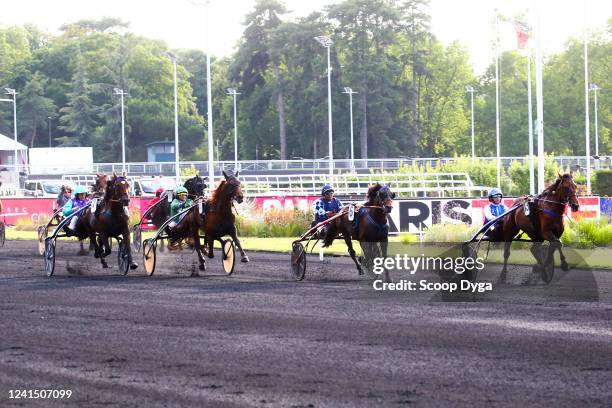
{"points": [[43, 188]]}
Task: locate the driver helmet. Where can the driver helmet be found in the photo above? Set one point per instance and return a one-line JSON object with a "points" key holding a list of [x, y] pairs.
{"points": [[80, 190], [327, 189], [159, 192], [495, 192], [181, 190]]}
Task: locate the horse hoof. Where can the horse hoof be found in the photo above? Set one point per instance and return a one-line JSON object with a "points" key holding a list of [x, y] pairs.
{"points": [[96, 255], [202, 267], [245, 259], [194, 274], [82, 252], [105, 265], [565, 266], [133, 265]]}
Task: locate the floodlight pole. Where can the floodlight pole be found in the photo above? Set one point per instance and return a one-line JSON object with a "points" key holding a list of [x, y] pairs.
{"points": [[350, 92], [176, 134], [11, 91], [470, 89], [596, 88], [232, 91], [327, 43], [122, 94]]}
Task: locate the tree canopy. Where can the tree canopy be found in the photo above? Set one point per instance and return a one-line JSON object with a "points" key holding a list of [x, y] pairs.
{"points": [[410, 88]]}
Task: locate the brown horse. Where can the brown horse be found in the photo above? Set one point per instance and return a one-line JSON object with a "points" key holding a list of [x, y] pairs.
{"points": [[110, 220], [220, 220], [372, 227], [545, 222]]}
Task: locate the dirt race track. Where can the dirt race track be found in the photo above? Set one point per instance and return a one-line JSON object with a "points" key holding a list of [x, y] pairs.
{"points": [[257, 338]]}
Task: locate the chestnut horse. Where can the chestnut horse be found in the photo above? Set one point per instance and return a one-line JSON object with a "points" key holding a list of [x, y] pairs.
{"points": [[545, 222], [220, 220], [110, 220], [216, 220], [372, 230]]}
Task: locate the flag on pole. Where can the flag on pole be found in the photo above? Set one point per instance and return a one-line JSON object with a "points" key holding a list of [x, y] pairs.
{"points": [[523, 32]]}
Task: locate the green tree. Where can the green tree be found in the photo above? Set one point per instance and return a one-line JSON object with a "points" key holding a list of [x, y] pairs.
{"points": [[34, 107]]}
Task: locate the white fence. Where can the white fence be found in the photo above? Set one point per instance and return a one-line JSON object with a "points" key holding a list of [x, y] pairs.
{"points": [[405, 184]]}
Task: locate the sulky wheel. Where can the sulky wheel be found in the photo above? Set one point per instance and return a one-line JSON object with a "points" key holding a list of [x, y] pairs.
{"points": [[548, 271], [49, 256], [148, 255], [469, 250], [42, 235], [2, 234], [298, 261], [229, 256], [123, 257], [136, 237]]}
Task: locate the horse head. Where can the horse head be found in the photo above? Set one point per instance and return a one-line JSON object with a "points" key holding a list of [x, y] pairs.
{"points": [[117, 190], [232, 187], [100, 185], [565, 190], [380, 195], [195, 186]]}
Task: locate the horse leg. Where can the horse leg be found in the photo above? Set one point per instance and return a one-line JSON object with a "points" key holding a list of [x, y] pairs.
{"points": [[127, 247], [564, 264], [504, 272], [384, 246], [234, 235], [82, 249], [198, 248], [536, 250], [349, 244], [104, 249], [210, 243]]}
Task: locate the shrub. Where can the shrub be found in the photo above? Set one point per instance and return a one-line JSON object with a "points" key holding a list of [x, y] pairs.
{"points": [[587, 233], [275, 223], [450, 233], [408, 238], [25, 224], [602, 184]]}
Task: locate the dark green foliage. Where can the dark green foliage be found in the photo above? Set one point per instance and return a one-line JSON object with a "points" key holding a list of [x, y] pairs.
{"points": [[602, 184]]}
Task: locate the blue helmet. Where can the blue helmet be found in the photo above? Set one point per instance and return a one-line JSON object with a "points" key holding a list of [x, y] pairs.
{"points": [[495, 192], [327, 189]]}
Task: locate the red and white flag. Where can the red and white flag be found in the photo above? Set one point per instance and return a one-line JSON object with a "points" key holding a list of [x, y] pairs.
{"points": [[523, 32]]}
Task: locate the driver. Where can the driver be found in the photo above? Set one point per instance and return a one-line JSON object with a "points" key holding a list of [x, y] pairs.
{"points": [[155, 200], [496, 207], [325, 207], [179, 203], [79, 201]]}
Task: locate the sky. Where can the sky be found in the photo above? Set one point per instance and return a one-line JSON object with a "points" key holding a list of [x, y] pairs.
{"points": [[180, 23]]}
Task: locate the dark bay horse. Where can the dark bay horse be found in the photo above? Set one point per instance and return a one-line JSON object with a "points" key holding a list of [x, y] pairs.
{"points": [[110, 220], [372, 227], [195, 188], [544, 223]]}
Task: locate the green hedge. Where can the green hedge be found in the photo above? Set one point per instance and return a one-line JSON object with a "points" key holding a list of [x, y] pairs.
{"points": [[602, 183]]}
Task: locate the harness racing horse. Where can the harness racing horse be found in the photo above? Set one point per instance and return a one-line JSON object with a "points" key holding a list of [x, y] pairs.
{"points": [[219, 219], [371, 227], [111, 220], [195, 188], [544, 222]]}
